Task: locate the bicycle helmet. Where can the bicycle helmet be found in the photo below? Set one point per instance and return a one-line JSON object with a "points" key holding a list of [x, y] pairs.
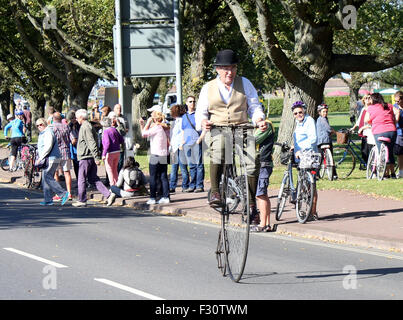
{"points": [[322, 106], [298, 104], [19, 113]]}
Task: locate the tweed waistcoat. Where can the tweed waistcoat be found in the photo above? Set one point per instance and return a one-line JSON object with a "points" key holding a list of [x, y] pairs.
{"points": [[235, 111]]}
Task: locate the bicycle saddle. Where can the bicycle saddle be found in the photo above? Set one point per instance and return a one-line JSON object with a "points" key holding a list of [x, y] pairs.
{"points": [[384, 139]]}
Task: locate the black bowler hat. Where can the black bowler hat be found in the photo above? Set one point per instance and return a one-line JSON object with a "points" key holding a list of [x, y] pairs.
{"points": [[226, 57]]}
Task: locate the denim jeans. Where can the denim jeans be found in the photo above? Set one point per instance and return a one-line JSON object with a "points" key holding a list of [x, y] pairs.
{"points": [[194, 158], [158, 168], [179, 161], [49, 184]]}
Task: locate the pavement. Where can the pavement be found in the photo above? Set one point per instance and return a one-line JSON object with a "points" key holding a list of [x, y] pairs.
{"points": [[345, 217]]}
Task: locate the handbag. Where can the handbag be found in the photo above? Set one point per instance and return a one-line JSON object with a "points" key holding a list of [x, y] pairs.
{"points": [[43, 164]]}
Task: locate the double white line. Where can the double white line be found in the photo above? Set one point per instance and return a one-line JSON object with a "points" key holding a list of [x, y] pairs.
{"points": [[105, 281]]}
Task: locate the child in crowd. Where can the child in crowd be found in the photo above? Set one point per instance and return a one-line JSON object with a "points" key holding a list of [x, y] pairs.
{"points": [[131, 181], [324, 131], [265, 142]]}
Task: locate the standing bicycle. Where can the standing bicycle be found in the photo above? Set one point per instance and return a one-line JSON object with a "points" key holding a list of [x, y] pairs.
{"points": [[345, 157], [233, 238], [383, 118], [229, 99], [287, 189], [324, 132], [303, 194], [305, 143]]}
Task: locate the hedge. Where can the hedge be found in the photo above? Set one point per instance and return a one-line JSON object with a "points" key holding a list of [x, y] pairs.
{"points": [[336, 104]]}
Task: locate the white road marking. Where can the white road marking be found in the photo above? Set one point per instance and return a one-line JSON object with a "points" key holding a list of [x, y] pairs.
{"points": [[31, 256], [128, 289]]}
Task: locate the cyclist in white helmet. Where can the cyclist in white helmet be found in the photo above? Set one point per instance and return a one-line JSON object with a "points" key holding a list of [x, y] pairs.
{"points": [[324, 130]]}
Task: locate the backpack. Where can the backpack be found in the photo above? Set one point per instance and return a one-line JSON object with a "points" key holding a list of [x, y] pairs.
{"points": [[136, 179]]}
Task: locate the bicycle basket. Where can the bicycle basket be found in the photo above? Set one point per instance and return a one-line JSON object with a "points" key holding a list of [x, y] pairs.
{"points": [[309, 159], [342, 137]]}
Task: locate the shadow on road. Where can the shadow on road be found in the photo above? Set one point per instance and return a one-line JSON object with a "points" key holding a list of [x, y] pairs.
{"points": [[20, 209], [314, 276]]}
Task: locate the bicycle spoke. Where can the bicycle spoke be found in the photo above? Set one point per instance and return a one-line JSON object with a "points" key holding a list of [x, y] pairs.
{"points": [[236, 222]]}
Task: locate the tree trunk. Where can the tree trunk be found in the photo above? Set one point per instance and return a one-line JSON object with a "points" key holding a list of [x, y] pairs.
{"points": [[5, 106], [37, 107], [79, 90], [312, 96], [144, 90]]}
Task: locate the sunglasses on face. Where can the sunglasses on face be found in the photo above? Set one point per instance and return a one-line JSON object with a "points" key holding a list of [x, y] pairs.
{"points": [[39, 125], [191, 101], [298, 112]]}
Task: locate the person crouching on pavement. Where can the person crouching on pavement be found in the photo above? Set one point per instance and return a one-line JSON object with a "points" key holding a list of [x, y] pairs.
{"points": [[89, 156], [48, 147]]}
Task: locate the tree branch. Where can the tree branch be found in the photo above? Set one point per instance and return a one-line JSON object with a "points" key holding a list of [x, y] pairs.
{"points": [[272, 46], [363, 63], [45, 62]]}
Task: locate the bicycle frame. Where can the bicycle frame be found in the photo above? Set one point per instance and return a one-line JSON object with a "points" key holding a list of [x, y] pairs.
{"points": [[352, 146]]}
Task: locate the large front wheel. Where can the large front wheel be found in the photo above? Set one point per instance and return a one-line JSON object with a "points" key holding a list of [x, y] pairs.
{"points": [[236, 222]]}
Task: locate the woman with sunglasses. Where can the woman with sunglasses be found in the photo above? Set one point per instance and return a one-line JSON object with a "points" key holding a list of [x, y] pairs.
{"points": [[48, 148], [305, 138]]}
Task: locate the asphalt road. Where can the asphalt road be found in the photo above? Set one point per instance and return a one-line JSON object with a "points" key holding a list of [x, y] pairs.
{"points": [[113, 253]]}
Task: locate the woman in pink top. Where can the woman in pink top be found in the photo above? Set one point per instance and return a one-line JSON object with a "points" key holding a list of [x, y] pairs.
{"points": [[383, 120], [158, 132]]}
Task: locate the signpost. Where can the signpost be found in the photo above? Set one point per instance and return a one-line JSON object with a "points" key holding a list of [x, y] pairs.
{"points": [[146, 44]]}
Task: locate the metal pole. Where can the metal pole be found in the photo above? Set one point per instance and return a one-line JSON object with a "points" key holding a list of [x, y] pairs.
{"points": [[178, 53], [119, 58]]}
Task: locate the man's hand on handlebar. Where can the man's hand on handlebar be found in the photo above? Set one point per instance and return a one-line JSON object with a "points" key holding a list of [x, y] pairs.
{"points": [[261, 124]]}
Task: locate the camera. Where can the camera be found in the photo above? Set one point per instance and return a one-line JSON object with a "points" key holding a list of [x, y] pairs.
{"points": [[144, 118]]}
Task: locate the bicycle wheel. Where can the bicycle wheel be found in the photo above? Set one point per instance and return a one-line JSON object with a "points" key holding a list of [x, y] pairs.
{"points": [[28, 172], [235, 222], [344, 162], [283, 194], [329, 164], [305, 193], [5, 165], [322, 167], [371, 165], [382, 161], [220, 253]]}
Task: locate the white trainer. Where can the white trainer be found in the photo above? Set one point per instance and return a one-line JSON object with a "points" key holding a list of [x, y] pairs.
{"points": [[163, 201]]}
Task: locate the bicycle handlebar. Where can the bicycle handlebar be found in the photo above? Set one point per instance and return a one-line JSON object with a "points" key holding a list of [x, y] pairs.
{"points": [[284, 146], [234, 126]]}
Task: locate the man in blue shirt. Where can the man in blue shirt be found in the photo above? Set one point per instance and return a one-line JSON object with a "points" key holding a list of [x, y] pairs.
{"points": [[17, 136], [193, 150]]}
